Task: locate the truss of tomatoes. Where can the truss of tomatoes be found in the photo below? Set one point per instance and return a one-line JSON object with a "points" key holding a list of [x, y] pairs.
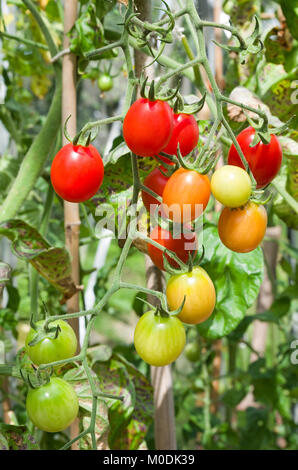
{"points": [[151, 127]]}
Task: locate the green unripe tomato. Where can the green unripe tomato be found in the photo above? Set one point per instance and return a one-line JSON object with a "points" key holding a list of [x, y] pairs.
{"points": [[231, 186], [159, 340], [105, 82], [49, 349], [53, 406], [192, 352]]}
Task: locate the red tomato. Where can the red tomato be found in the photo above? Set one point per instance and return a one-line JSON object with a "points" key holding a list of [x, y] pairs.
{"points": [[263, 160], [148, 126], [186, 195], [185, 133], [180, 246], [155, 181], [77, 172]]}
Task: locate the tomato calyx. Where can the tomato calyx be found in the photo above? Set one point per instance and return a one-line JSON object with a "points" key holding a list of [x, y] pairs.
{"points": [[259, 197], [203, 164], [80, 138], [181, 107], [152, 94], [36, 378], [263, 132], [43, 331], [159, 310], [184, 267]]}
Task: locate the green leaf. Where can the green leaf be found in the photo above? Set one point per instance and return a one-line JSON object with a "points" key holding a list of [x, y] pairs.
{"points": [[290, 10], [103, 7], [52, 263], [237, 278], [256, 433]]}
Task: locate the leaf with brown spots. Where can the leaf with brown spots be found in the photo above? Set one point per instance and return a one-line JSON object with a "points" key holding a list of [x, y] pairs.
{"points": [[129, 419], [78, 379], [16, 438], [51, 263]]}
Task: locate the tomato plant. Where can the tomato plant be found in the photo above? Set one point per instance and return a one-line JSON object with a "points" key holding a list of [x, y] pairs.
{"points": [[264, 160], [186, 195], [77, 172], [242, 229], [185, 133], [53, 406], [50, 349], [198, 290], [159, 340], [155, 181], [87, 262], [184, 245], [148, 126], [231, 186]]}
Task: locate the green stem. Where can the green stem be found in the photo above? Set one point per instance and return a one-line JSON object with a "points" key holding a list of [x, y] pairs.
{"points": [[260, 113], [39, 45], [178, 70], [43, 27], [287, 197], [34, 160], [207, 433], [33, 283], [97, 52]]}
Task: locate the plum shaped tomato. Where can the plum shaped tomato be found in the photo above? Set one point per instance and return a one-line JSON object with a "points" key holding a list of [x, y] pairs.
{"points": [[148, 126], [242, 230], [263, 160], [155, 181], [231, 186], [77, 172], [199, 292], [159, 340], [49, 349], [182, 246], [53, 406], [186, 195], [185, 133]]}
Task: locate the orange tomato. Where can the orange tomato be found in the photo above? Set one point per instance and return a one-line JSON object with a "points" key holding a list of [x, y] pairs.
{"points": [[199, 292], [242, 229], [186, 195]]}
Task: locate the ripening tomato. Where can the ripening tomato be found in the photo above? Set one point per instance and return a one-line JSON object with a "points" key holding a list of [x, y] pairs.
{"points": [[263, 160], [49, 349], [77, 172], [243, 229], [185, 133], [155, 181], [231, 186], [187, 243], [159, 340], [53, 406], [186, 195], [148, 126], [199, 292]]}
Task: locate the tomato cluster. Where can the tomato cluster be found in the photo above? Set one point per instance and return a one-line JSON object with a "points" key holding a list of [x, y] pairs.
{"points": [[53, 406], [152, 129]]}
